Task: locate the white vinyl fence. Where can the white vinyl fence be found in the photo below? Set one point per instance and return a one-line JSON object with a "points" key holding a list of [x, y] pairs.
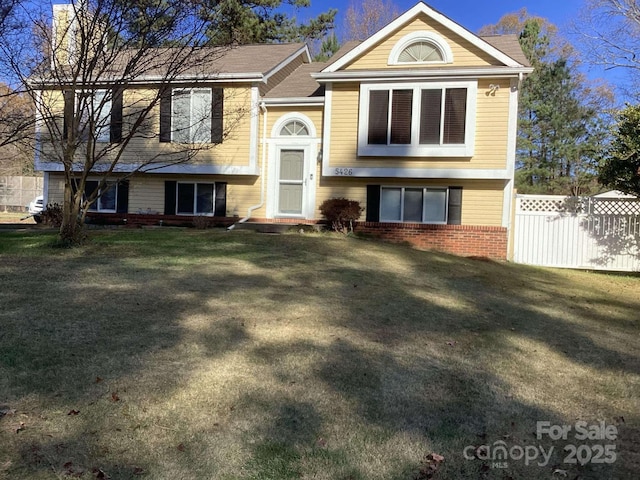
{"points": [[578, 232]]}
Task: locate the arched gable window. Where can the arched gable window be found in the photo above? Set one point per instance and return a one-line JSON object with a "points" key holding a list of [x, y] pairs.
{"points": [[421, 48], [294, 128]]}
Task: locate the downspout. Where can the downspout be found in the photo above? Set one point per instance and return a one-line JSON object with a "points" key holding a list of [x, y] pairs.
{"points": [[263, 168]]}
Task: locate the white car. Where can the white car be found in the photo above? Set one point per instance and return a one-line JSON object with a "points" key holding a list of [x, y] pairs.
{"points": [[36, 205]]}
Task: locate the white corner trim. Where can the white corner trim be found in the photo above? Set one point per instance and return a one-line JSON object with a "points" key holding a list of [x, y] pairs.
{"points": [[326, 129], [405, 18], [506, 204], [255, 128], [431, 37], [45, 189], [512, 134]]}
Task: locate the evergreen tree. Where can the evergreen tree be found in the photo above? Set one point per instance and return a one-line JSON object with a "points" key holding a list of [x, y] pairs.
{"points": [[621, 167], [329, 47], [561, 122], [262, 21]]}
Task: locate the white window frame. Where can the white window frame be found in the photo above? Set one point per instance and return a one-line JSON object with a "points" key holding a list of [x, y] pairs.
{"points": [[424, 190], [422, 36], [192, 123], [195, 199], [415, 149], [95, 206]]}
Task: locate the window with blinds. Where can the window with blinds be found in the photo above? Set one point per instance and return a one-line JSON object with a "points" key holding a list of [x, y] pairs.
{"points": [[417, 116]]}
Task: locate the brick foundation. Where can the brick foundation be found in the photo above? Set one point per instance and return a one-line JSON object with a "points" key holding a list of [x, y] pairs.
{"points": [[465, 240], [137, 219]]}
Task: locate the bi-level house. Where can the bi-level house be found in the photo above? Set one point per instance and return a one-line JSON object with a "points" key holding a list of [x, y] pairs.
{"points": [[418, 123]]}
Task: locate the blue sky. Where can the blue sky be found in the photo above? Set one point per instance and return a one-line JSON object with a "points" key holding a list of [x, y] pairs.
{"points": [[472, 14]]}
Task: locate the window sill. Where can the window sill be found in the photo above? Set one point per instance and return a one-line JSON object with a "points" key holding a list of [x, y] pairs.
{"points": [[465, 151]]}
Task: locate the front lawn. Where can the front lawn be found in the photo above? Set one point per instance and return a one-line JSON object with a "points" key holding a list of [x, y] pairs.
{"points": [[174, 354]]}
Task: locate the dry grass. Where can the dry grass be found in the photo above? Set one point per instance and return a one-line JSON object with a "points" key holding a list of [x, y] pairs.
{"points": [[16, 218], [241, 356]]}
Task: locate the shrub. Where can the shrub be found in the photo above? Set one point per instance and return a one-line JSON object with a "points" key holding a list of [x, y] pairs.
{"points": [[52, 215], [341, 213], [202, 222]]}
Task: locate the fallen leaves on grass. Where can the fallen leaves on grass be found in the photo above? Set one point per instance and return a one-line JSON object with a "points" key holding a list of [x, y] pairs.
{"points": [[100, 473], [430, 466], [98, 379], [72, 471], [7, 411], [181, 447], [115, 397]]}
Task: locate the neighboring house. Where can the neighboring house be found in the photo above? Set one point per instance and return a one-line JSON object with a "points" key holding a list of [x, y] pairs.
{"points": [[418, 123]]}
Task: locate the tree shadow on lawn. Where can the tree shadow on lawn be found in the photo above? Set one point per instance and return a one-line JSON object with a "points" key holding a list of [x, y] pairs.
{"points": [[386, 385]]}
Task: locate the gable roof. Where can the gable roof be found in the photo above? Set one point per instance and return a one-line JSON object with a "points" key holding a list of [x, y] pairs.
{"points": [[299, 84], [408, 16], [254, 62], [508, 44]]}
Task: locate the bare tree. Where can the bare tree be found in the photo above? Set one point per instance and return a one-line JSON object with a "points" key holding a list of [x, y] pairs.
{"points": [[99, 78], [610, 34], [364, 18]]}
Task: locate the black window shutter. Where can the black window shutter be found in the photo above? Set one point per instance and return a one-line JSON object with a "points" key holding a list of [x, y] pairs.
{"points": [[69, 109], [165, 116], [373, 203], [123, 196], [221, 200], [116, 116], [217, 114], [455, 206], [170, 197]]}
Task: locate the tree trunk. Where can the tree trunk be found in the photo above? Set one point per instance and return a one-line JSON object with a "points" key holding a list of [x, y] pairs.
{"points": [[71, 231]]}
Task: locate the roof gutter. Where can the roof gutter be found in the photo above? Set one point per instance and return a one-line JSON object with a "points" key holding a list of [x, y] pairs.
{"points": [[435, 74]]}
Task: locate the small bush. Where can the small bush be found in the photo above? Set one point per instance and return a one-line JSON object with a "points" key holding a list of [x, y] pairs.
{"points": [[52, 215], [202, 222], [341, 213]]}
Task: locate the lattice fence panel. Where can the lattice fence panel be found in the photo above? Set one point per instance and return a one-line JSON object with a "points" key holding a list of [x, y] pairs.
{"points": [[618, 206]]}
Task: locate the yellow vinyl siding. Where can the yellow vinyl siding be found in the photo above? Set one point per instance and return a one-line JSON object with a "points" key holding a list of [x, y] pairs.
{"points": [[55, 189], [146, 146], [492, 119], [146, 192], [274, 114], [481, 200], [465, 54]]}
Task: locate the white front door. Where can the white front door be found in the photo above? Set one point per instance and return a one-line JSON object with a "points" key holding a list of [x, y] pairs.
{"points": [[293, 150], [292, 182]]}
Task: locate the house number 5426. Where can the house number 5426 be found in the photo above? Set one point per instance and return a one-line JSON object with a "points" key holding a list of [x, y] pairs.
{"points": [[344, 171]]}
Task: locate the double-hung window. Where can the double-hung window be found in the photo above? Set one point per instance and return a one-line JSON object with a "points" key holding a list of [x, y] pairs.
{"points": [[191, 115], [417, 120], [413, 204], [107, 197], [100, 114], [195, 198]]}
